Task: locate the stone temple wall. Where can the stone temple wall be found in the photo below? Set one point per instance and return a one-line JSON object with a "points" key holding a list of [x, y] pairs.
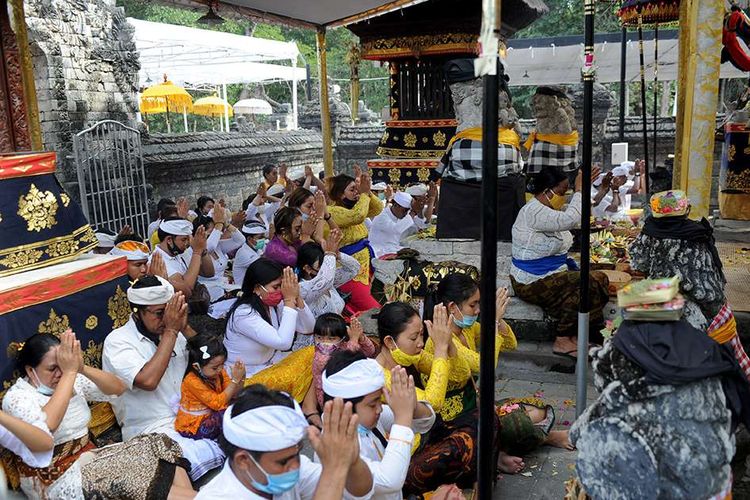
{"points": [[224, 165], [85, 70]]}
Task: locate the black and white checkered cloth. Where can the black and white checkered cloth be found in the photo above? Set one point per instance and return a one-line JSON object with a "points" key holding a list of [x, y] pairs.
{"points": [[547, 154], [463, 162]]}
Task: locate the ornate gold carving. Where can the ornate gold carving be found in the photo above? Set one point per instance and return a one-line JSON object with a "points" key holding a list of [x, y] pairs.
{"points": [[410, 140], [64, 247], [38, 209], [438, 139], [732, 152], [394, 175], [55, 324], [384, 139], [65, 199], [407, 153], [423, 174], [92, 354], [21, 258], [89, 236], [92, 322], [14, 131], [424, 140], [118, 308], [421, 44]]}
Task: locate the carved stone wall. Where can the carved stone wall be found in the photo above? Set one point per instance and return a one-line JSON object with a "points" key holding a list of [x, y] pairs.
{"points": [[85, 70]]}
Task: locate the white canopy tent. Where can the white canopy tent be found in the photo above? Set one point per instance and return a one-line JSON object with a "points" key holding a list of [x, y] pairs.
{"points": [[555, 62], [191, 56]]}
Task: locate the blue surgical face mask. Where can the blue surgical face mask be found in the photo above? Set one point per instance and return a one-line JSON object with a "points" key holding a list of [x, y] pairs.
{"points": [[361, 429], [305, 217], [41, 388], [276, 484], [466, 321], [260, 244]]}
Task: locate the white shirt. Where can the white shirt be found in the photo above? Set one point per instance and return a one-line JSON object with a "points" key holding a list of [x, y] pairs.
{"points": [[600, 210], [319, 293], [540, 231], [24, 402], [390, 465], [138, 411], [245, 256], [387, 231], [174, 264], [9, 441], [254, 341], [226, 485], [153, 227]]}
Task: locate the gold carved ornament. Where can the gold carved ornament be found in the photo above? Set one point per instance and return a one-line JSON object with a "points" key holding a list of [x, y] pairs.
{"points": [[394, 175], [410, 140], [423, 174], [54, 325], [732, 152], [65, 199], [21, 258], [92, 354], [92, 322], [438, 138], [118, 308], [38, 209], [63, 247]]}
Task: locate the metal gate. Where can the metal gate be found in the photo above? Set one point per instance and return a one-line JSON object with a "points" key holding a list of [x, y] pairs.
{"points": [[111, 176]]}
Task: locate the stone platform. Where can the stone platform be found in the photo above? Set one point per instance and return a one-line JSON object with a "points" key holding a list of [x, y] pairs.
{"points": [[527, 320]]}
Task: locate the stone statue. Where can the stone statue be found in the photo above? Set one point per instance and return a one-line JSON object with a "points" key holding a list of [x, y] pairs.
{"points": [[461, 167], [467, 103], [553, 111]]}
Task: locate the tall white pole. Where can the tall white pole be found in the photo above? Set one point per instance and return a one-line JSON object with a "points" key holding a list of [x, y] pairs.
{"points": [[184, 119], [294, 95], [226, 108]]}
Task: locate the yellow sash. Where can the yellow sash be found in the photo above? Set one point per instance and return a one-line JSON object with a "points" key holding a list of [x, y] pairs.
{"points": [[725, 332], [506, 136], [570, 139]]}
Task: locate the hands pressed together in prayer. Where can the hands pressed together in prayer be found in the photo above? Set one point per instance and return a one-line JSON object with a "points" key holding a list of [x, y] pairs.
{"points": [[439, 330], [402, 396], [290, 289]]}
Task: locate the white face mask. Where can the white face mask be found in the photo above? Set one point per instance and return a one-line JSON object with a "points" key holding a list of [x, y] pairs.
{"points": [[42, 388]]}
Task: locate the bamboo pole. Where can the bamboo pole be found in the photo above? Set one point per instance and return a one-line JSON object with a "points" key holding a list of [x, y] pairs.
{"points": [[27, 74], [325, 113]]}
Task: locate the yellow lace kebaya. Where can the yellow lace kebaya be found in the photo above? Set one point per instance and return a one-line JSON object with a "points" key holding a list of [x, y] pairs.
{"points": [[352, 225]]}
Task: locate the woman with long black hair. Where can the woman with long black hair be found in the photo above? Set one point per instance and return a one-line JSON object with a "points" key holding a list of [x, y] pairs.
{"points": [[265, 318]]}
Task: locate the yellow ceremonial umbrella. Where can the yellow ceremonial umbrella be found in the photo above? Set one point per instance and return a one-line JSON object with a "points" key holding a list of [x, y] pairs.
{"points": [[212, 106], [165, 97]]}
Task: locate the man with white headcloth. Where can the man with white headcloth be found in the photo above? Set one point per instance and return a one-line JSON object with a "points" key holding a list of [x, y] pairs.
{"points": [[360, 381], [149, 353], [390, 226], [174, 238], [616, 203], [262, 436], [137, 254]]}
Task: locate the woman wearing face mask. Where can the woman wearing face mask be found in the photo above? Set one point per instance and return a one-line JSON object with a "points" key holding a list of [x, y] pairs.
{"points": [[352, 203], [263, 320], [290, 232], [541, 272], [320, 276], [255, 242], [525, 423], [56, 389], [448, 455], [313, 205]]}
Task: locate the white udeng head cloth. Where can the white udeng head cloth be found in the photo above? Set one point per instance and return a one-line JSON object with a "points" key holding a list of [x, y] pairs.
{"points": [[620, 171], [268, 428], [402, 199], [105, 240], [152, 295], [356, 380], [177, 227], [417, 190]]}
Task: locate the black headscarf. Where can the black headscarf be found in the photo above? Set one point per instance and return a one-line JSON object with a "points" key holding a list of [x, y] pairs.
{"points": [[682, 228]]}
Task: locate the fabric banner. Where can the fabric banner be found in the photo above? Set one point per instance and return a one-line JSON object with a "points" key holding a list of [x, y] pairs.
{"points": [[39, 222], [92, 303]]}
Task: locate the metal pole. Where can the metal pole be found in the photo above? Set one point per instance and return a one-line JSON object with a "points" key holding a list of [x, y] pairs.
{"points": [[226, 107], [643, 95], [623, 76], [487, 365], [656, 85], [295, 109], [588, 118], [325, 113]]}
